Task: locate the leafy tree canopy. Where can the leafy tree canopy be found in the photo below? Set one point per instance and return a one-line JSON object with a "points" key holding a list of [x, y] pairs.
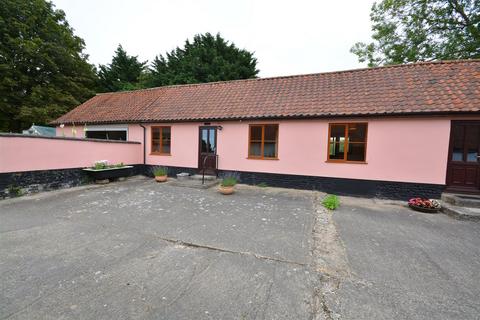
{"points": [[43, 70], [123, 73], [422, 30], [208, 58]]}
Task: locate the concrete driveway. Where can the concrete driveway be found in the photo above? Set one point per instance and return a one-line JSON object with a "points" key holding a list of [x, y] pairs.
{"points": [[406, 265], [143, 250]]}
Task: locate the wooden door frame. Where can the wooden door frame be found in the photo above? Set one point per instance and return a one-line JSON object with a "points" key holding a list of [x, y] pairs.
{"points": [[200, 143], [448, 177]]}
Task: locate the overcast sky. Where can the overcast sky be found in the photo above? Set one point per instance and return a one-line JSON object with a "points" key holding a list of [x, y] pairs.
{"points": [[288, 37]]}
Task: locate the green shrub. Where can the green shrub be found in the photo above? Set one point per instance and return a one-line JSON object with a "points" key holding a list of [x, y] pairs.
{"points": [[160, 171], [229, 181], [100, 166], [331, 202], [14, 191]]}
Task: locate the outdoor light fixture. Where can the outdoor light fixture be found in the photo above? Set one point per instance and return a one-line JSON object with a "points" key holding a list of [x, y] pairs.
{"points": [[219, 128]]}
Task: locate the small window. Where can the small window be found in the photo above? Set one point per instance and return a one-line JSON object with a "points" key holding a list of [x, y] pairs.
{"points": [[347, 142], [263, 141], [106, 134], [161, 140]]}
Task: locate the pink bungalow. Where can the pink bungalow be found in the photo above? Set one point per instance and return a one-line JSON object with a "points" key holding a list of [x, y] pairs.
{"points": [[395, 131]]}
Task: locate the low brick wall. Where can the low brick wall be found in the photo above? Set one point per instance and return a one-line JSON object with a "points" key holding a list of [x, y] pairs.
{"points": [[45, 180]]}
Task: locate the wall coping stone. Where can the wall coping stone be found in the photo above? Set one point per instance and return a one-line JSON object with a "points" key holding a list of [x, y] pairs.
{"points": [[19, 135]]}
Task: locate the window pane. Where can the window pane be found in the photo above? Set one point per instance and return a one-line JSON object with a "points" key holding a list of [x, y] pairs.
{"points": [[472, 155], [472, 141], [165, 140], [155, 133], [255, 149], [271, 132], [166, 148], [155, 145], [457, 154], [255, 132], [337, 132], [458, 134], [166, 133], [212, 141], [269, 149], [96, 134], [356, 152], [204, 140], [117, 135], [357, 132], [336, 150]]}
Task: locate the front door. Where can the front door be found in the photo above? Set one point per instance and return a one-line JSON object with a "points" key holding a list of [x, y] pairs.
{"points": [[463, 173], [208, 149]]}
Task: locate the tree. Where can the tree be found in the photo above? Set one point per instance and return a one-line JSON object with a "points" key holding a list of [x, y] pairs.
{"points": [[422, 30], [123, 73], [208, 58], [43, 70]]}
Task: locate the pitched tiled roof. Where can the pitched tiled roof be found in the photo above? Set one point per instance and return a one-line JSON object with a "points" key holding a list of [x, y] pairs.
{"points": [[434, 87]]}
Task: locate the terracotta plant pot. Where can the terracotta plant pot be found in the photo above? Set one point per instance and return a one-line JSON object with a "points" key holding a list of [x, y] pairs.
{"points": [[226, 190], [160, 178]]}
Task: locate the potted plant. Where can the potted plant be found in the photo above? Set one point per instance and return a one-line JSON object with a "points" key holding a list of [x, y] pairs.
{"points": [[424, 205], [227, 185], [160, 174], [102, 172]]}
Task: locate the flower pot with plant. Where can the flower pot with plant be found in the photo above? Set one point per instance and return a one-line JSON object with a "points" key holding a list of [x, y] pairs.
{"points": [[424, 205], [227, 185], [160, 174]]}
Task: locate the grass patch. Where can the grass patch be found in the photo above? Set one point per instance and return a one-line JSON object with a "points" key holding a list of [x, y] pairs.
{"points": [[331, 202], [262, 185]]}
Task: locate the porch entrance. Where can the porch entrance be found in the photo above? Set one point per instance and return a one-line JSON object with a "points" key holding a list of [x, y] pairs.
{"points": [[463, 170], [207, 155]]}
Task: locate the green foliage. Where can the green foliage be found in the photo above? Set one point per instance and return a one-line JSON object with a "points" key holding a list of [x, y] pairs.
{"points": [[103, 166], [14, 191], [422, 30], [160, 171], [208, 58], [262, 185], [123, 73], [229, 181], [44, 72], [331, 202]]}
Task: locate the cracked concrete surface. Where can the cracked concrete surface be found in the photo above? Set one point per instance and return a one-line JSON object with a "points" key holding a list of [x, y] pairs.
{"points": [[143, 250], [405, 264]]}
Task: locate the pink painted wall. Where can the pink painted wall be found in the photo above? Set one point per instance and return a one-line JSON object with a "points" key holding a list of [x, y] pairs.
{"points": [[29, 154], [184, 146], [402, 149], [407, 150]]}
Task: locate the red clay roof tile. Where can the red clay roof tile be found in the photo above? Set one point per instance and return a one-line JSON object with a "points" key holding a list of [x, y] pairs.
{"points": [[434, 87]]}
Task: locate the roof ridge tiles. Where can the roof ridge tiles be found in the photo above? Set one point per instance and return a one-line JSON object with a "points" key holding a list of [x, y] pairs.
{"points": [[413, 64]]}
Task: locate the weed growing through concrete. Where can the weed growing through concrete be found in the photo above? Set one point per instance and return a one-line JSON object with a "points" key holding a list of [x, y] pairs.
{"points": [[331, 202]]}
